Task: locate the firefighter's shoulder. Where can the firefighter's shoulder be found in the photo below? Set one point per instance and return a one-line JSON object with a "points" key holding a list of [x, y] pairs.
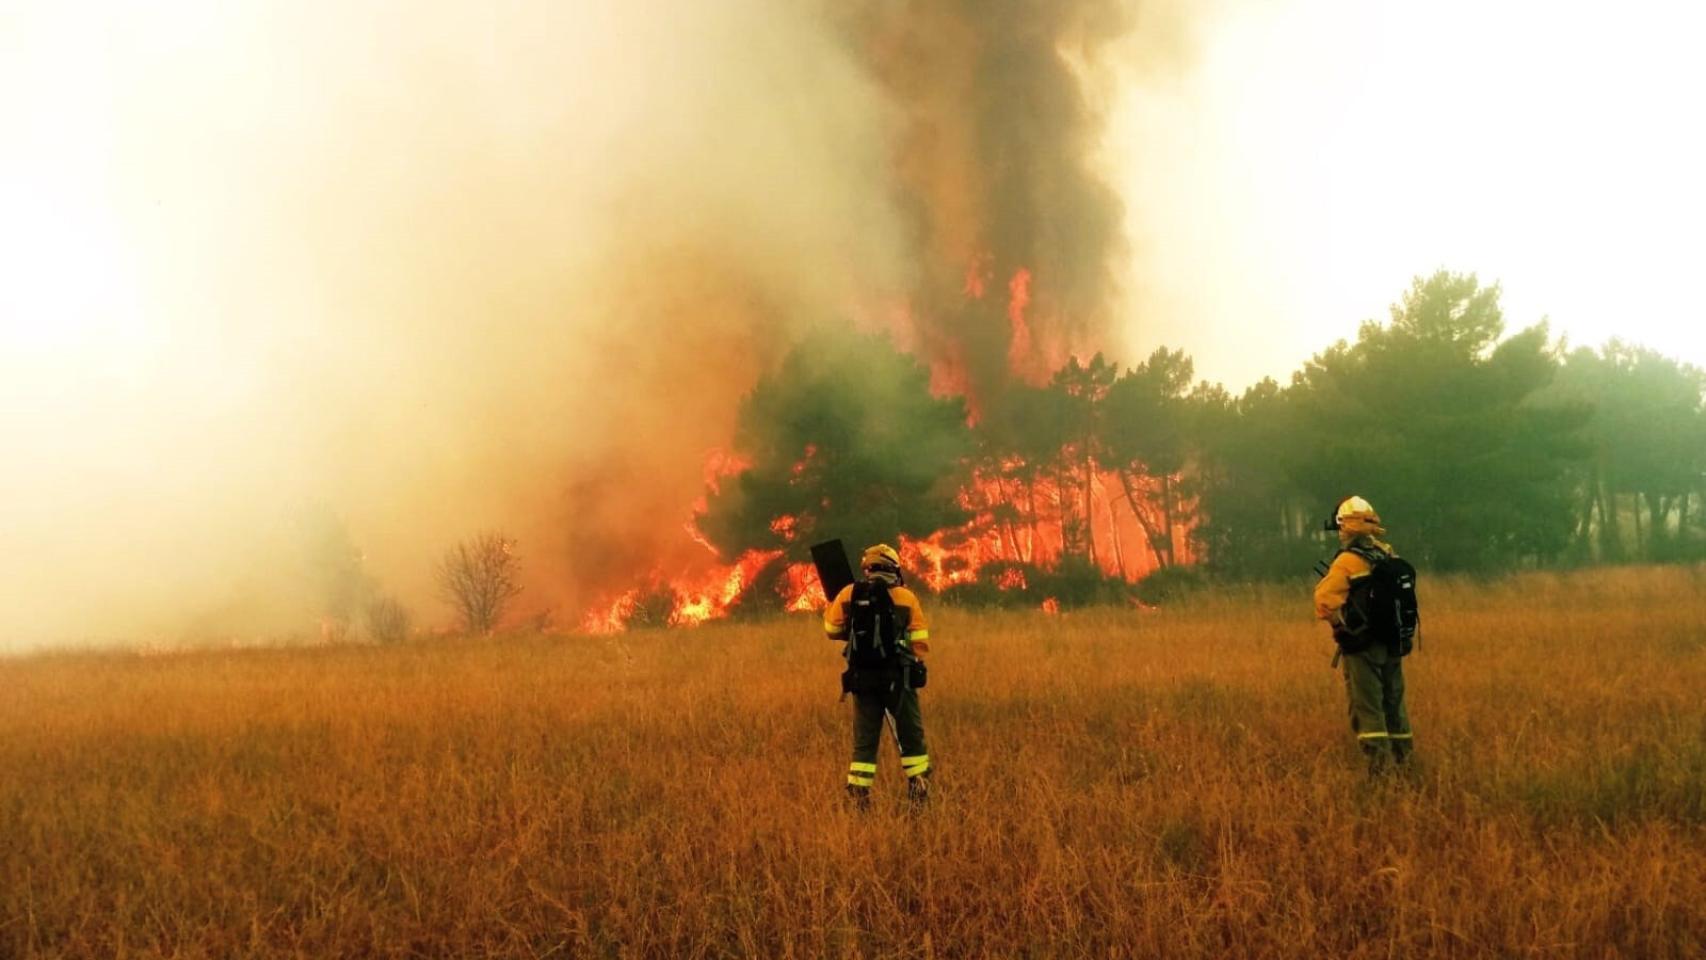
{"points": [[1350, 563], [903, 595]]}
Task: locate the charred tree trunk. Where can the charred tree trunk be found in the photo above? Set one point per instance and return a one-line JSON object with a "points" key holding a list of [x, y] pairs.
{"points": [[1167, 516], [1150, 533], [1114, 533], [1007, 506], [1031, 545], [1089, 507], [1066, 507]]}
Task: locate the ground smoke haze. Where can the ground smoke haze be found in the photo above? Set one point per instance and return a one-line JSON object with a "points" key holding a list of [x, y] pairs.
{"points": [[388, 278]]}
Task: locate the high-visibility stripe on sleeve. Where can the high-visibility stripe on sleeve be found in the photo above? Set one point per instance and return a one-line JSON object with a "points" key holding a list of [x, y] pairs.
{"points": [[918, 635], [1377, 735]]}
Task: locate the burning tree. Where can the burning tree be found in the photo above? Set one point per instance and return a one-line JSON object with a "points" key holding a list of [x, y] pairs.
{"points": [[1082, 389], [1147, 443], [479, 577], [843, 440]]}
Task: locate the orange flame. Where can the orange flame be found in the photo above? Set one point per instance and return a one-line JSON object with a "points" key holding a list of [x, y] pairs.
{"points": [[614, 618], [977, 276], [801, 589], [719, 465], [719, 589], [799, 468]]}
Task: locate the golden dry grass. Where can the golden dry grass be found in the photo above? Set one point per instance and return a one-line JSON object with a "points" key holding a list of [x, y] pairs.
{"points": [[1111, 783]]}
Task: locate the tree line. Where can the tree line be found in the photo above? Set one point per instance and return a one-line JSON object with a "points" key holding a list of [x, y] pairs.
{"points": [[1483, 451]]}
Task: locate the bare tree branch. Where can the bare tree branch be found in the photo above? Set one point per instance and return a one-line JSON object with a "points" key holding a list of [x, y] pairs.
{"points": [[479, 577]]}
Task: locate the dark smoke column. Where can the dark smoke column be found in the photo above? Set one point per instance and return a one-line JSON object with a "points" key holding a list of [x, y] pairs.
{"points": [[992, 155]]}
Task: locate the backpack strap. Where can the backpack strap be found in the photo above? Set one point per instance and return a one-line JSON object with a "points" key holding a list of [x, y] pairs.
{"points": [[1372, 554], [871, 599]]}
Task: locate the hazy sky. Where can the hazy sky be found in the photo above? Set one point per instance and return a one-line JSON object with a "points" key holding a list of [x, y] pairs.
{"points": [[410, 265], [1319, 153]]}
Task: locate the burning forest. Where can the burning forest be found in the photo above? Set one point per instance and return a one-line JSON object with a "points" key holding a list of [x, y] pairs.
{"points": [[959, 418], [1072, 488]]}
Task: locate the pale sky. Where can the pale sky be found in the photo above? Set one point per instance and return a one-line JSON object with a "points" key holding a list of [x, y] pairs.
{"points": [[1320, 153]]}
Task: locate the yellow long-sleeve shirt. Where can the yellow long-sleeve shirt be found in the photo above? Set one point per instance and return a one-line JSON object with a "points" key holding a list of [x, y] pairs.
{"points": [[1335, 588], [917, 628]]}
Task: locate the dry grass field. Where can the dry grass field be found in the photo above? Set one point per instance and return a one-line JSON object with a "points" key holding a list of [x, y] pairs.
{"points": [[1175, 783]]}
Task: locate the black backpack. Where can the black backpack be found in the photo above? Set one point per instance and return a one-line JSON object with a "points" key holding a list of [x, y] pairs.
{"points": [[874, 629], [1381, 608]]}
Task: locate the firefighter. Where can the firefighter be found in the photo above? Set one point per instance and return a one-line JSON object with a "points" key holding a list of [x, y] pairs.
{"points": [[1374, 673], [886, 638]]}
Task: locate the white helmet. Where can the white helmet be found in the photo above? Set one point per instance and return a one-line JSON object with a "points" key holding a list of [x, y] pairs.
{"points": [[1355, 508]]}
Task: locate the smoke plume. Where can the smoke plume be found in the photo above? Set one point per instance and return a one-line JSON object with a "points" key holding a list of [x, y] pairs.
{"points": [[1014, 231], [408, 274]]}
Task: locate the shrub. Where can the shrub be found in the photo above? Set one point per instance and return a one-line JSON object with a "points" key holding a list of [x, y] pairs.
{"points": [[388, 620], [479, 577]]}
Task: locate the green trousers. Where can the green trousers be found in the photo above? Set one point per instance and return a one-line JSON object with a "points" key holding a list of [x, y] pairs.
{"points": [[869, 711], [1374, 684]]}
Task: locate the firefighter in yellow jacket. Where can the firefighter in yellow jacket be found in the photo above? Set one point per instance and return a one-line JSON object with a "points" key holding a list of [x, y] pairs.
{"points": [[1374, 673], [887, 638]]}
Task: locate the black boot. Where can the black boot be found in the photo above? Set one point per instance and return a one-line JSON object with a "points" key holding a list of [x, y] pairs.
{"points": [[1379, 759], [918, 790], [858, 798], [1401, 752]]}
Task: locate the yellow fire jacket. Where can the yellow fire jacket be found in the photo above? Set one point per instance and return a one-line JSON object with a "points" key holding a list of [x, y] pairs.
{"points": [[1335, 588], [918, 629]]}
